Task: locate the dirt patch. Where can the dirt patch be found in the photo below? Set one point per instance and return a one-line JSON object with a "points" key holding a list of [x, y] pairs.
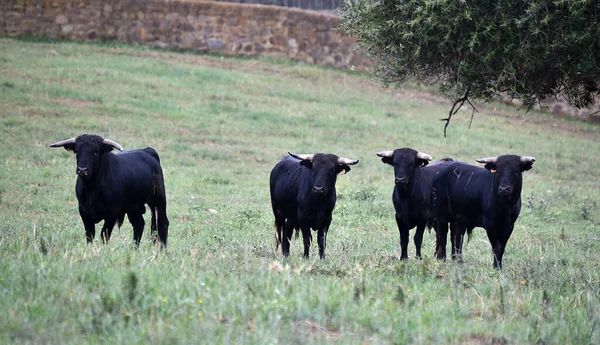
{"points": [[72, 102], [313, 329], [482, 340]]}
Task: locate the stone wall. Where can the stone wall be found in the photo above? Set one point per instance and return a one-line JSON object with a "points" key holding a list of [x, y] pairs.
{"points": [[228, 28]]}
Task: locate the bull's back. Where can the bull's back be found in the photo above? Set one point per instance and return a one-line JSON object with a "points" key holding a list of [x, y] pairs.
{"points": [[285, 180], [463, 187], [135, 172]]}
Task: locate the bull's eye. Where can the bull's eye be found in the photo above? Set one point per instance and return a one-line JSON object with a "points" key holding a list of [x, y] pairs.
{"points": [[95, 153]]}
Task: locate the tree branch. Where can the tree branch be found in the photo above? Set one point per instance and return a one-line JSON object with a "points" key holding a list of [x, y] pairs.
{"points": [[454, 109], [472, 113]]}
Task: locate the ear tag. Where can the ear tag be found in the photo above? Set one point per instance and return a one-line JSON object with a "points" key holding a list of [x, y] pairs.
{"points": [[342, 172], [493, 170]]}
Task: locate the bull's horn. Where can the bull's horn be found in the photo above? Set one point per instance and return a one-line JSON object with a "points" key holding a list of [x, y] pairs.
{"points": [[527, 159], [342, 160], [304, 157], [422, 155], [385, 154], [114, 144], [488, 160], [63, 143]]}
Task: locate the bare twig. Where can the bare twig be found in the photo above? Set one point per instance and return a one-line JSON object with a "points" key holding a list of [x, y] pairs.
{"points": [[470, 122], [454, 109]]}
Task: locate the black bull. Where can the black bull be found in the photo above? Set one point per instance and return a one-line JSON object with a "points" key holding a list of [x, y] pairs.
{"points": [[303, 196], [413, 179], [476, 197], [110, 186]]}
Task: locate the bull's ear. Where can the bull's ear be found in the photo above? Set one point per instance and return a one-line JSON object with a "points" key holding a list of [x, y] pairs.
{"points": [[421, 162], [107, 148], [491, 167], [526, 166], [307, 164], [342, 169], [388, 160], [526, 162], [70, 147]]}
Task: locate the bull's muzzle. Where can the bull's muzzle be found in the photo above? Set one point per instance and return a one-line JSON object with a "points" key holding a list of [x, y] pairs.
{"points": [[318, 190], [504, 190], [82, 171], [402, 181]]}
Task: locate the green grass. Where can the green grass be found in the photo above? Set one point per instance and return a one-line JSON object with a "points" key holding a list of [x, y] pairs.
{"points": [[220, 124]]}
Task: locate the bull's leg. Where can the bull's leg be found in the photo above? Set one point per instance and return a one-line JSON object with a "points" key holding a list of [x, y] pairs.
{"points": [[502, 240], [441, 233], [288, 231], [497, 247], [403, 229], [90, 230], [322, 241], [107, 228], [307, 239], [137, 221], [88, 224], [419, 238]]}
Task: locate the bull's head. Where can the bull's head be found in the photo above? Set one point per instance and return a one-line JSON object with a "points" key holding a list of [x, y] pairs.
{"points": [[508, 169], [405, 161], [325, 168], [88, 150]]}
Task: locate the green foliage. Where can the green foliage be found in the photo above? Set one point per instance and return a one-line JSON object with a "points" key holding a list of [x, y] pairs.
{"points": [[220, 125], [525, 49]]}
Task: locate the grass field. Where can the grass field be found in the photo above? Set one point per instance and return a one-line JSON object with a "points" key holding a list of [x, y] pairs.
{"points": [[220, 125]]}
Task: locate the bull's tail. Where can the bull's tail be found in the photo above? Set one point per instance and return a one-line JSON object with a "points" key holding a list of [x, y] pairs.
{"points": [[277, 237]]}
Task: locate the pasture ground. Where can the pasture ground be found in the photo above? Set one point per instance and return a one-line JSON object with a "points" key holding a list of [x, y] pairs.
{"points": [[220, 125]]}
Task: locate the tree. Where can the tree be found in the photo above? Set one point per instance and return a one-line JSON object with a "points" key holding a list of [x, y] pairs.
{"points": [[514, 49]]}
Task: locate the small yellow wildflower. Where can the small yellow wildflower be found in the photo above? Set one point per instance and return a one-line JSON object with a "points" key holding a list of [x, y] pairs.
{"points": [[523, 281], [200, 301], [164, 299]]}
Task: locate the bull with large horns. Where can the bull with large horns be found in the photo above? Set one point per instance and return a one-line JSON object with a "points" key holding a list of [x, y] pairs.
{"points": [[413, 179], [488, 197], [303, 197], [111, 186]]}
